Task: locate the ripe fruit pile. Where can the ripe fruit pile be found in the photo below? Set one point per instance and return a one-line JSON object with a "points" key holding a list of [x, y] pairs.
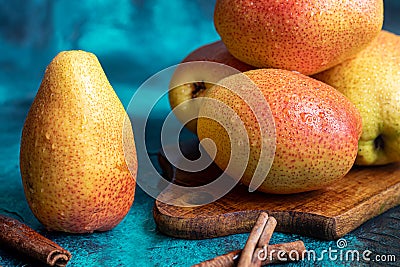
{"points": [[322, 127]]}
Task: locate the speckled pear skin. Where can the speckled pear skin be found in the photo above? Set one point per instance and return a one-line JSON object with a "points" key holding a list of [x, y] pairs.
{"points": [[317, 131], [217, 52], [371, 81], [72, 162], [305, 36], [213, 52]]}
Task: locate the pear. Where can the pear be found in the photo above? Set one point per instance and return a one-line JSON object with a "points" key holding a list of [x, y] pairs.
{"points": [[213, 52], [217, 52], [74, 172], [371, 81], [303, 35], [317, 130]]}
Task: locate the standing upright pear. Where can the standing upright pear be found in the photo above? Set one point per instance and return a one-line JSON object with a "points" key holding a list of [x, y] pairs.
{"points": [[78, 159]]}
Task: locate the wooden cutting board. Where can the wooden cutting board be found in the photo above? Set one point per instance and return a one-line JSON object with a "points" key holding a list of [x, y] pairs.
{"points": [[362, 194]]}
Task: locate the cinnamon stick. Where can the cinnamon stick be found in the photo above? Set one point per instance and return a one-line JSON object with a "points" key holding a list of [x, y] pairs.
{"points": [[286, 252], [262, 245], [24, 239], [227, 260], [251, 243], [267, 232]]}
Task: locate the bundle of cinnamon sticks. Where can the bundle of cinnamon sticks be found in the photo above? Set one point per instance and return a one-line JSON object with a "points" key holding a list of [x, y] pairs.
{"points": [[257, 250]]}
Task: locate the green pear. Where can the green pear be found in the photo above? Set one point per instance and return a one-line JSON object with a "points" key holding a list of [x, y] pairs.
{"points": [[371, 81], [74, 172]]}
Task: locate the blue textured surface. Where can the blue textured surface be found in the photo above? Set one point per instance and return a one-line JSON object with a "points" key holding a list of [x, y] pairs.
{"points": [[133, 40]]}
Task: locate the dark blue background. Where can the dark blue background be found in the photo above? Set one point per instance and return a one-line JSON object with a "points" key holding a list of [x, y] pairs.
{"points": [[133, 40]]}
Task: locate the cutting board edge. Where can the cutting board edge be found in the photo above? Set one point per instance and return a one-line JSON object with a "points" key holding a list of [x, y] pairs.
{"points": [[190, 228], [185, 223], [231, 223], [380, 203], [331, 228]]}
